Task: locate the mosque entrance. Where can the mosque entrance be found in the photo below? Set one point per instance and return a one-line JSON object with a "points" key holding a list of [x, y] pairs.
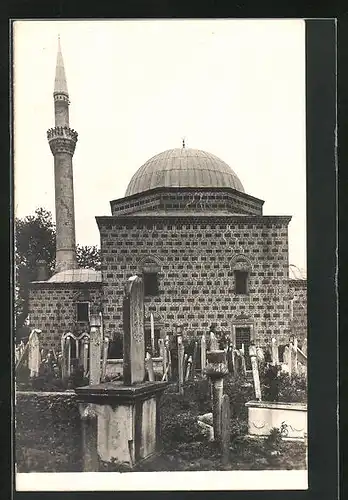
{"points": [[243, 337]]}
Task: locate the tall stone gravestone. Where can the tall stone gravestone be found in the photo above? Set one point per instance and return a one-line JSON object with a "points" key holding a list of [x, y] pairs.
{"points": [[225, 428], [34, 357], [255, 370], [95, 349], [134, 334]]}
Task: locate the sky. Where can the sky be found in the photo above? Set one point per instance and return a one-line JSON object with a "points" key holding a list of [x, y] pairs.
{"points": [[234, 88]]}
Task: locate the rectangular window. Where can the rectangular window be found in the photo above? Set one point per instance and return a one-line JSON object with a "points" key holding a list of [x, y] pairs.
{"points": [[151, 284], [241, 279], [82, 310]]}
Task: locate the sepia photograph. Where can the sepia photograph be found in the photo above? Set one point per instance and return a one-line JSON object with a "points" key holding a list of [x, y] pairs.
{"points": [[160, 254]]}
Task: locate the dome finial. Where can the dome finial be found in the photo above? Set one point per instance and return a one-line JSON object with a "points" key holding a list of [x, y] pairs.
{"points": [[183, 142]]}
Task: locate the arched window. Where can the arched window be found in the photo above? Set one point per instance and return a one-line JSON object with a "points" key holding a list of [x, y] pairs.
{"points": [[241, 266], [149, 268]]}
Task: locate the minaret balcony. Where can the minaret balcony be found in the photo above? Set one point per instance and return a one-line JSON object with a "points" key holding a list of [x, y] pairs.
{"points": [[61, 96], [62, 140]]}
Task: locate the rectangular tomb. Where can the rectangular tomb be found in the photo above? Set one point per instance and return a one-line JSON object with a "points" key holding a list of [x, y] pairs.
{"points": [[289, 418], [127, 421]]}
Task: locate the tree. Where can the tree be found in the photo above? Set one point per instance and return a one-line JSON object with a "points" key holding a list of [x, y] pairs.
{"points": [[88, 257], [35, 239]]}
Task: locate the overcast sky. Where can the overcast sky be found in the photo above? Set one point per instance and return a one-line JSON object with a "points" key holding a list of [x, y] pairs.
{"points": [[234, 88]]}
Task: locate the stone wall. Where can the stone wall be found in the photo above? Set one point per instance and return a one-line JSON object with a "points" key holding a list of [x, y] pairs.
{"points": [[52, 308], [196, 258], [188, 199], [298, 291]]}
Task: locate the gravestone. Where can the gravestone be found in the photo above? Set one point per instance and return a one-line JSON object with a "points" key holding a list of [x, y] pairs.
{"points": [[181, 350], [259, 353], [163, 354], [152, 331], [294, 357], [214, 344], [244, 370], [85, 356], [216, 371], [134, 334], [95, 349], [230, 359], [149, 367], [225, 428], [290, 358], [255, 370], [203, 354], [194, 359], [188, 368], [304, 346], [286, 356], [275, 356], [34, 357], [105, 357]]}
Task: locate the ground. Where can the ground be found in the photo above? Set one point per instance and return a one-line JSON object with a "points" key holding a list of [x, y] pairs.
{"points": [[48, 434]]}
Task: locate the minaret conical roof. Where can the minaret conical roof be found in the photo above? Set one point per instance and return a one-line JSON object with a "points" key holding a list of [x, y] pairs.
{"points": [[60, 85]]}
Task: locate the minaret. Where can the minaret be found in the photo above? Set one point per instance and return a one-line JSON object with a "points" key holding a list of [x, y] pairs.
{"points": [[62, 140]]}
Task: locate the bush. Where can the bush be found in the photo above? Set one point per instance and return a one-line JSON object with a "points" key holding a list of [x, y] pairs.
{"points": [[278, 386], [239, 427], [182, 428], [179, 412], [239, 391], [48, 382], [48, 433], [274, 440]]}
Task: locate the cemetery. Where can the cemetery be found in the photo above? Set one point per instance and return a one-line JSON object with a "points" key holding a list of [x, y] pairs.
{"points": [[206, 406]]}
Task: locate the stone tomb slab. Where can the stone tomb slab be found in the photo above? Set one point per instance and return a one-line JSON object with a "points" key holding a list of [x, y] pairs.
{"points": [[128, 419], [290, 418]]}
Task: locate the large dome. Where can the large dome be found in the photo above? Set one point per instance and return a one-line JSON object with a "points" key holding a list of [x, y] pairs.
{"points": [[183, 168]]}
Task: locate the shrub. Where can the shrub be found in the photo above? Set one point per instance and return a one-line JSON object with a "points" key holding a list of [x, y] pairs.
{"points": [[48, 433], [274, 440], [239, 427], [239, 391], [278, 386], [182, 428]]}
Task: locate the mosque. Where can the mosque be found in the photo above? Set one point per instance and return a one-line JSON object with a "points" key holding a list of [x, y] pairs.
{"points": [[207, 254]]}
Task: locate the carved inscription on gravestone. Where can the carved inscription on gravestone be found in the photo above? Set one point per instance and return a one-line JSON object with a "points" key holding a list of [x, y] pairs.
{"points": [[134, 335]]}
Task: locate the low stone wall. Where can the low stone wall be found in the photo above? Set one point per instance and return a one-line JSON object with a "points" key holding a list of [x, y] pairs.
{"points": [[47, 432], [114, 367]]}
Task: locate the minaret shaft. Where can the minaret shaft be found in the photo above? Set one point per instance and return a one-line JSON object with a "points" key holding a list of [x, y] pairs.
{"points": [[65, 212], [62, 141], [61, 113]]}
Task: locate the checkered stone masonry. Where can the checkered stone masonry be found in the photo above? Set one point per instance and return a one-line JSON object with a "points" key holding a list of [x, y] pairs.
{"points": [[53, 308], [298, 291], [196, 277]]}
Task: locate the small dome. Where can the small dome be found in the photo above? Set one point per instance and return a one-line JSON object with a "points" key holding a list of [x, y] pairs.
{"points": [[76, 276], [183, 167]]}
